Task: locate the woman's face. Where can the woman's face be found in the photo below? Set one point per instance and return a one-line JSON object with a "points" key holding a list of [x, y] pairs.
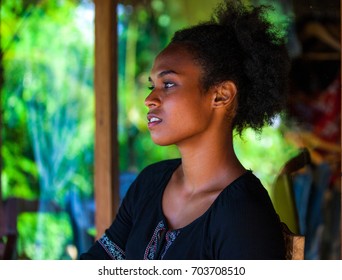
{"points": [[179, 111]]}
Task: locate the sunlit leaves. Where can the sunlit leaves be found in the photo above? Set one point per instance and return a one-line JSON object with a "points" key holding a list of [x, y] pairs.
{"points": [[48, 113], [38, 244]]}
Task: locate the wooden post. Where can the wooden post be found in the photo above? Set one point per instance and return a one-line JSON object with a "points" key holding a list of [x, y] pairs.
{"points": [[106, 148]]}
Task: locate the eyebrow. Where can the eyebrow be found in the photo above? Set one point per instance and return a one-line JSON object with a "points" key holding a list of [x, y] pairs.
{"points": [[163, 73]]}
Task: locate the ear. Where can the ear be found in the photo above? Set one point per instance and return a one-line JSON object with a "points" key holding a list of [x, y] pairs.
{"points": [[224, 94]]}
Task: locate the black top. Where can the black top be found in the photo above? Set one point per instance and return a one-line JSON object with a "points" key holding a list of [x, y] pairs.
{"points": [[240, 224]]}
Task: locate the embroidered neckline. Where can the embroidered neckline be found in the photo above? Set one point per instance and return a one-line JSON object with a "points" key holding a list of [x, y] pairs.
{"points": [[152, 250]]}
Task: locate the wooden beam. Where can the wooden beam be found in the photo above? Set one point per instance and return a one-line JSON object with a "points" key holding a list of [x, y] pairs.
{"points": [[106, 148]]}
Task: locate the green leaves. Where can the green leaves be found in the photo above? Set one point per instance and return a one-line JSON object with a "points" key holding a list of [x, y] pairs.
{"points": [[48, 114]]}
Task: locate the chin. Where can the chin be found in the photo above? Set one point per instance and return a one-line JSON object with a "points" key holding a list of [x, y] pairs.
{"points": [[161, 141]]}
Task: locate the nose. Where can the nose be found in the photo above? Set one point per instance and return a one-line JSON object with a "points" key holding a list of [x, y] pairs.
{"points": [[152, 100]]}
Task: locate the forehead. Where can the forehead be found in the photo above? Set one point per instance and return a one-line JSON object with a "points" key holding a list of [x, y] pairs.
{"points": [[175, 57]]}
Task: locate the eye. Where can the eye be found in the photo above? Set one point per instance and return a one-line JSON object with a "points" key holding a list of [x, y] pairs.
{"points": [[150, 84], [168, 84]]}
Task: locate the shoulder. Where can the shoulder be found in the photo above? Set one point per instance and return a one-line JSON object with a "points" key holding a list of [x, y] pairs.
{"points": [[244, 203], [246, 207], [246, 188], [246, 193]]}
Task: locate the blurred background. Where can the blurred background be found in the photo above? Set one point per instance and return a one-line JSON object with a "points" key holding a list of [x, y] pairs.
{"points": [[48, 118]]}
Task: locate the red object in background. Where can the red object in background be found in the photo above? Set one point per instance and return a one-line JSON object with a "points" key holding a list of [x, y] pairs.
{"points": [[327, 111]]}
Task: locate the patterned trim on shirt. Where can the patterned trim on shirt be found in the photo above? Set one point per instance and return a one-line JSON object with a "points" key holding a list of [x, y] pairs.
{"points": [[151, 249], [170, 237], [113, 250]]}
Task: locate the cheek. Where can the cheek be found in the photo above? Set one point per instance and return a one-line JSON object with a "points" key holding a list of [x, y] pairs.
{"points": [[193, 115], [200, 108], [187, 110]]}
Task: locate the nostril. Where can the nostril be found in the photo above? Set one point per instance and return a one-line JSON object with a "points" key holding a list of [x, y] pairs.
{"points": [[148, 102], [151, 105], [151, 101]]}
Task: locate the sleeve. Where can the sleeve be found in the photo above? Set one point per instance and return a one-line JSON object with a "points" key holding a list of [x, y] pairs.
{"points": [[111, 246]]}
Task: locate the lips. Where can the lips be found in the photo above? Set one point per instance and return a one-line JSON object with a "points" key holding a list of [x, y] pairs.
{"points": [[153, 120]]}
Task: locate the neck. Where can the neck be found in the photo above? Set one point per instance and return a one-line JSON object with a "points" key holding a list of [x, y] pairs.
{"points": [[210, 165]]}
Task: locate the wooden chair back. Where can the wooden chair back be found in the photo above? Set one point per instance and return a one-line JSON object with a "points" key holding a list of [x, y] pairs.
{"points": [[283, 199], [294, 244]]}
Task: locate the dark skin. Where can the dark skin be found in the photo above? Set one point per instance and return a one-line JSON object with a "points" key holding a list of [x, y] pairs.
{"points": [[200, 124]]}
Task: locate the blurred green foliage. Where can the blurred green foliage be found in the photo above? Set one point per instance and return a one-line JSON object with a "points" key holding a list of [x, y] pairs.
{"points": [[48, 113], [48, 120], [44, 236]]}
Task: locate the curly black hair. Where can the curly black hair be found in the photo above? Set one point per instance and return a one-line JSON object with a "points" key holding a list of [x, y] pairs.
{"points": [[239, 44]]}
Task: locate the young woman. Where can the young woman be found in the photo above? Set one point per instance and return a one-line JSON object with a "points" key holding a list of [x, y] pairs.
{"points": [[212, 79]]}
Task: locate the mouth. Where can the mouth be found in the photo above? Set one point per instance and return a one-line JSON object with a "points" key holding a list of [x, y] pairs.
{"points": [[153, 120]]}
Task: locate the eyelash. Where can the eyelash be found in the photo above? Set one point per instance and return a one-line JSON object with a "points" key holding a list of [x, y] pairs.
{"points": [[166, 85]]}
